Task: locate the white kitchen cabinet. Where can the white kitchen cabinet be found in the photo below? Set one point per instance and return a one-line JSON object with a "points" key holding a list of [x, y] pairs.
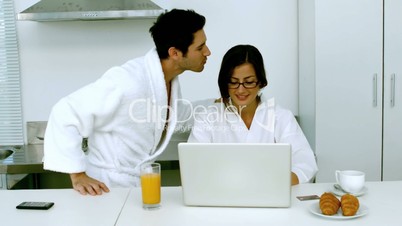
{"points": [[341, 84], [392, 139]]}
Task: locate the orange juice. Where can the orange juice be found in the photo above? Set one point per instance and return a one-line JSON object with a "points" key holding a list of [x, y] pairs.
{"points": [[151, 188]]}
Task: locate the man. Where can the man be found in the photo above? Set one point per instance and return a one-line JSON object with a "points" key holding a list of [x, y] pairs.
{"points": [[130, 113]]}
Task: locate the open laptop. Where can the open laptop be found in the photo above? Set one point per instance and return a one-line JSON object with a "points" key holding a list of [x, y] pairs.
{"points": [[235, 174]]}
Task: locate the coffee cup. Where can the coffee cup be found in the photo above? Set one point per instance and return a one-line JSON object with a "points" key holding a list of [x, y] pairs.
{"points": [[351, 181]]}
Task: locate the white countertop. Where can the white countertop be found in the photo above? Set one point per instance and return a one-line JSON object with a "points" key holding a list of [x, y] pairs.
{"points": [[122, 207], [382, 199], [70, 208]]}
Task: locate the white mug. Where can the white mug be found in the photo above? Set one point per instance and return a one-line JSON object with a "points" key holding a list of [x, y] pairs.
{"points": [[351, 181]]}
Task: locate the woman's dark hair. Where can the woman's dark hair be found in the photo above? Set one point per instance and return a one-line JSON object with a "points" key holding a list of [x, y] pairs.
{"points": [[176, 29], [237, 56]]}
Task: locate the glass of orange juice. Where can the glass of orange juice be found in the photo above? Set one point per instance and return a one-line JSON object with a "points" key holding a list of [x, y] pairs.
{"points": [[150, 174]]}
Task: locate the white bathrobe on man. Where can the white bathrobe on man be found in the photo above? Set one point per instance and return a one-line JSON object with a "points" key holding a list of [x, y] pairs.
{"points": [[123, 114]]}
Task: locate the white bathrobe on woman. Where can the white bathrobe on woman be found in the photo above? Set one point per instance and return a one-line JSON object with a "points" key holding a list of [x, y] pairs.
{"points": [[123, 114], [271, 124]]}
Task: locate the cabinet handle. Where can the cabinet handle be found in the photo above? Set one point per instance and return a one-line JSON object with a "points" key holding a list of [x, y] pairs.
{"points": [[375, 90], [393, 90]]}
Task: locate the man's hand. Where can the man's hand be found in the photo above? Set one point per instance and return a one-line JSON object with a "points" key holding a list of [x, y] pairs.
{"points": [[86, 185]]}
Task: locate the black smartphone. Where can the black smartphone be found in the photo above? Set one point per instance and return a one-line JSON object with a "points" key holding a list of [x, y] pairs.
{"points": [[35, 205]]}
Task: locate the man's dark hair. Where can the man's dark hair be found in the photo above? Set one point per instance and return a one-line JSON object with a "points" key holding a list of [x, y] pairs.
{"points": [[176, 28]]}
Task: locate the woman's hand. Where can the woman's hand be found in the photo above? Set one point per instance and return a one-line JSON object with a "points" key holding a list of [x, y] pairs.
{"points": [[295, 179], [86, 185]]}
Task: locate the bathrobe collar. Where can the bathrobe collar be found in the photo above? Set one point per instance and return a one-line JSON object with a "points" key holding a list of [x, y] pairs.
{"points": [[159, 100]]}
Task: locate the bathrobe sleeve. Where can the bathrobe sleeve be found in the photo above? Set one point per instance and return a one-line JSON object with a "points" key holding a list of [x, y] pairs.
{"points": [[75, 117], [287, 130], [201, 131], [203, 117]]}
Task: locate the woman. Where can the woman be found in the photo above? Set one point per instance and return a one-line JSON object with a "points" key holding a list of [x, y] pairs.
{"points": [[243, 115]]}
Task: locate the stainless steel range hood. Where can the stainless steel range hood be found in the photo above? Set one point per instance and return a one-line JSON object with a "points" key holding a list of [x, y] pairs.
{"points": [[61, 10]]}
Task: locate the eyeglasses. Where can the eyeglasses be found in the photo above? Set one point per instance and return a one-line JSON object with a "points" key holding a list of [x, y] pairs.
{"points": [[247, 85]]}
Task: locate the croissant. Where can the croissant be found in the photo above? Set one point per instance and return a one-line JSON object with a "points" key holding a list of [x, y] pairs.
{"points": [[329, 204], [349, 205]]}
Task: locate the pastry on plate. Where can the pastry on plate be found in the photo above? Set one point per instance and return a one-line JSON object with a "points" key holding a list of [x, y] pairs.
{"points": [[349, 204], [329, 203]]}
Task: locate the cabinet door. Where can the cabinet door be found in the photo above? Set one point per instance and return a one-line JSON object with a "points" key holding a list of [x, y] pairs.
{"points": [[392, 147], [348, 87]]}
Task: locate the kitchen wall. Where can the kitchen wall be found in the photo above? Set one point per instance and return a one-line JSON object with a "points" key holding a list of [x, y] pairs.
{"points": [[60, 57]]}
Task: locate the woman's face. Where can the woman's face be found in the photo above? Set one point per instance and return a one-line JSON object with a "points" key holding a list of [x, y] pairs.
{"points": [[241, 96]]}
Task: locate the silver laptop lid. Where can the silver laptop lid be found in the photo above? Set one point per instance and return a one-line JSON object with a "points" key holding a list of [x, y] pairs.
{"points": [[235, 174]]}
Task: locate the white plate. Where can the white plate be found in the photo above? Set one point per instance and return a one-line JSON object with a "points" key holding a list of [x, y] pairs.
{"points": [[315, 209], [340, 192]]}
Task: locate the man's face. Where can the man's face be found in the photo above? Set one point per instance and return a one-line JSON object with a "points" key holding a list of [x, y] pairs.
{"points": [[197, 53]]}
